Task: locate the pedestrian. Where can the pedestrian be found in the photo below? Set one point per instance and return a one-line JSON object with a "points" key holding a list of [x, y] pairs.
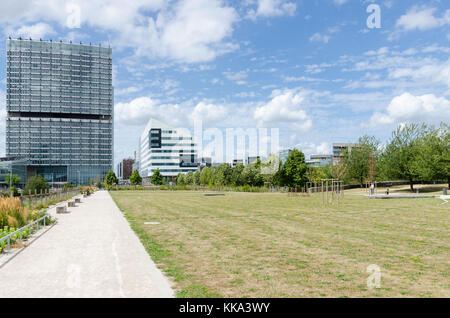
{"points": [[387, 191], [372, 189]]}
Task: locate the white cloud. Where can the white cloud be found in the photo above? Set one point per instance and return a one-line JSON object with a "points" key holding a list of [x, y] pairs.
{"points": [[285, 107], [272, 8], [317, 37], [410, 108], [208, 113], [430, 72], [140, 110], [422, 18], [174, 33], [35, 31]]}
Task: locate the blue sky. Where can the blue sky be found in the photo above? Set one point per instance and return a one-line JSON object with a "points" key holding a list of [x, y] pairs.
{"points": [[312, 68]]}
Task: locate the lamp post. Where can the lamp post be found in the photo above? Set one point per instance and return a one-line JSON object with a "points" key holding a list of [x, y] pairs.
{"points": [[78, 177]]}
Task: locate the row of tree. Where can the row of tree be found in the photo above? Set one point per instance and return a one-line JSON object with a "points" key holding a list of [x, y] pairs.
{"points": [[414, 153]]}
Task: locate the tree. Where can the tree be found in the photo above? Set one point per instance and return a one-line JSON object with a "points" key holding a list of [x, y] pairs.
{"points": [[205, 176], [402, 152], [111, 179], [197, 177], [135, 177], [236, 176], [361, 161], [189, 178], [271, 169], [294, 170], [223, 175], [181, 180], [12, 179], [36, 184], [157, 178], [433, 157]]}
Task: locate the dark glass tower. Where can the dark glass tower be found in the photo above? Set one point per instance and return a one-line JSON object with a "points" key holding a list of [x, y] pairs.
{"points": [[59, 103]]}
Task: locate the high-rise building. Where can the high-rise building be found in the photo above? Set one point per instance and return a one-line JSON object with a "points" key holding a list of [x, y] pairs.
{"points": [[59, 107], [168, 149]]}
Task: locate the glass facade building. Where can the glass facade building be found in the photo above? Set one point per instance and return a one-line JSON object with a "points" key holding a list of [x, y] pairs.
{"points": [[59, 104]]}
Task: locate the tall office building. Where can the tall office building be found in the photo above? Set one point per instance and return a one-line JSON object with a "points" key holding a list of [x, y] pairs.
{"points": [[167, 149], [60, 109]]}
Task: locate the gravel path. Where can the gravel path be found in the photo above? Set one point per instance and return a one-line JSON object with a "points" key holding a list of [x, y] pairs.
{"points": [[90, 252]]}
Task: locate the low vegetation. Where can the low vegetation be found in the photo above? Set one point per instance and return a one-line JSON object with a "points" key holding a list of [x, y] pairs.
{"points": [[275, 245]]}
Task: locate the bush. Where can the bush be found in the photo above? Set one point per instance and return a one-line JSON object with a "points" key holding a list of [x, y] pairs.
{"points": [[36, 183]]}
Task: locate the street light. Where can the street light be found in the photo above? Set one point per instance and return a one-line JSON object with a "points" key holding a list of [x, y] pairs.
{"points": [[78, 177]]}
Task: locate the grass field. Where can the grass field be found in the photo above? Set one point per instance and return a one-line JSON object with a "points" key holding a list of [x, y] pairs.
{"points": [[272, 245]]}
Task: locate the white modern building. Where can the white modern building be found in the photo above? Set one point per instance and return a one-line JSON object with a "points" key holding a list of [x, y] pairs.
{"points": [[170, 150]]}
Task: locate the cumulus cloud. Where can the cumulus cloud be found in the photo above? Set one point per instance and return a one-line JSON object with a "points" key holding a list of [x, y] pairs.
{"points": [[174, 31], [410, 108], [140, 110], [35, 31], [208, 113], [272, 8], [284, 107], [422, 18]]}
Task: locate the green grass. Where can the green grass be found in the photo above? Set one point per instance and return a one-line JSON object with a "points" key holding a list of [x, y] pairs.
{"points": [[272, 245]]}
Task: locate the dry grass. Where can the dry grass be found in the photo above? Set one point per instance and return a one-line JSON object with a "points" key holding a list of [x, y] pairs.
{"points": [[11, 213], [272, 245]]}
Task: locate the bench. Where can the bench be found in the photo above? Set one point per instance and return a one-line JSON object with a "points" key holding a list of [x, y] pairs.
{"points": [[60, 209], [77, 200], [71, 204]]}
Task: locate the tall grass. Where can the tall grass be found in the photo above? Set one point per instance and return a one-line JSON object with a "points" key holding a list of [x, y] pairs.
{"points": [[12, 214]]}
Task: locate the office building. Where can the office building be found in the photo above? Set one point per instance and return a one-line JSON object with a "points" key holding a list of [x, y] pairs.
{"points": [[59, 107], [237, 161], [253, 159], [284, 154], [170, 150], [339, 149], [204, 162], [319, 160], [125, 168]]}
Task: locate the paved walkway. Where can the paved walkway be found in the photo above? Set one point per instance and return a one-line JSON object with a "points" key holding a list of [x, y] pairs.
{"points": [[90, 252]]}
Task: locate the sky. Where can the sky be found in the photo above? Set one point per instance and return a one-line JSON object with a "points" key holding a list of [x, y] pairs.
{"points": [[321, 71]]}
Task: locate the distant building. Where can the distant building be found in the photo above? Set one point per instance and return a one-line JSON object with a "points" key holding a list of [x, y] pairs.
{"points": [[125, 168], [167, 149], [319, 160], [284, 154], [339, 149], [252, 159], [204, 162], [237, 161], [136, 160]]}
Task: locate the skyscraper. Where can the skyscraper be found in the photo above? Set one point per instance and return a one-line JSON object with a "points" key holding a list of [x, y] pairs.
{"points": [[59, 107]]}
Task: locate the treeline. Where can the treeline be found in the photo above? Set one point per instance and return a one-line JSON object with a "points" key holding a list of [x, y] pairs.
{"points": [[413, 153]]}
